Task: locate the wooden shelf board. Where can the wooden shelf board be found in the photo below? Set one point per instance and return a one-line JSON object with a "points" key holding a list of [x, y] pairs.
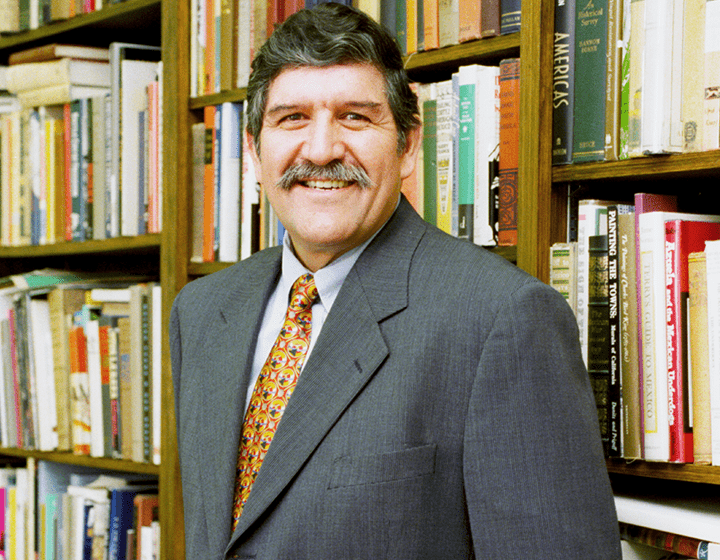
{"points": [[668, 471], [699, 164], [82, 460], [137, 17], [489, 50], [115, 245], [218, 98]]}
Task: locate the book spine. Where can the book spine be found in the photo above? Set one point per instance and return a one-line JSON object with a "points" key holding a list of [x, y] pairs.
{"points": [[489, 18], [430, 157], [432, 24], [632, 436], [445, 133], [698, 319], [711, 125], [563, 81], [509, 150], [673, 305], [209, 180], [693, 65], [614, 389], [448, 22], [712, 255], [466, 152], [470, 16], [612, 80], [509, 16], [590, 81]]}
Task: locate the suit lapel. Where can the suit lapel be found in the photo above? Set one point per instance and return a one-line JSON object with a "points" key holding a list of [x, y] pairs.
{"points": [[348, 352], [228, 368]]}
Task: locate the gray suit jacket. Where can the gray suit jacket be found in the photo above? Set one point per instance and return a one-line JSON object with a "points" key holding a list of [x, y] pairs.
{"points": [[444, 414]]}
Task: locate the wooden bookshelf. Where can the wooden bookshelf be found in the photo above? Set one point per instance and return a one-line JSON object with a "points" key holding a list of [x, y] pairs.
{"points": [[119, 465], [541, 203]]}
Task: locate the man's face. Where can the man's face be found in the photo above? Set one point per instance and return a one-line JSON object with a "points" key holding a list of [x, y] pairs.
{"points": [[331, 115]]}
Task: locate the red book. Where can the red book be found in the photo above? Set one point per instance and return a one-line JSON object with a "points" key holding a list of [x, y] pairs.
{"points": [[154, 202], [146, 511], [79, 391], [104, 339], [509, 150], [67, 140], [681, 239]]}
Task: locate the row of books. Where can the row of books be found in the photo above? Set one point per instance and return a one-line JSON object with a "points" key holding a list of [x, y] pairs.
{"points": [[80, 368], [81, 158], [17, 16], [466, 180], [643, 281], [634, 78], [653, 528], [226, 201], [50, 511], [225, 35]]}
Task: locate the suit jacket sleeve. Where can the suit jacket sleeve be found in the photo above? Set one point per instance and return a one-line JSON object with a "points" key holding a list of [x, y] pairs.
{"points": [[532, 435]]}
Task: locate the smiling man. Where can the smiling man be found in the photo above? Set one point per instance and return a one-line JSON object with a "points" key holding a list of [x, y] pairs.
{"points": [[374, 389]]}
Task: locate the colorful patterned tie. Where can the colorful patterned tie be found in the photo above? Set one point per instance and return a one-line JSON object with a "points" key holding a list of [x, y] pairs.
{"points": [[273, 388]]}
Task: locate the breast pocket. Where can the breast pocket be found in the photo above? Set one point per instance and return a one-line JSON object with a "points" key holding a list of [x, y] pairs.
{"points": [[384, 467]]}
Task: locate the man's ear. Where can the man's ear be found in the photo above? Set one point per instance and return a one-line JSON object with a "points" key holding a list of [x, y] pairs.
{"points": [[254, 155], [409, 155]]}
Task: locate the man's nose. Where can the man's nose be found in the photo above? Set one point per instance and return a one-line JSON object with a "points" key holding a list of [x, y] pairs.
{"points": [[324, 142]]}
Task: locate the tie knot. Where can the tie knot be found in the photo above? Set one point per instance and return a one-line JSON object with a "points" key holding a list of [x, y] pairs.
{"points": [[303, 293]]}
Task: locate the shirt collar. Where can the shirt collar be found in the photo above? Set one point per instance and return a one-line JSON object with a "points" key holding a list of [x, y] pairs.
{"points": [[328, 279]]}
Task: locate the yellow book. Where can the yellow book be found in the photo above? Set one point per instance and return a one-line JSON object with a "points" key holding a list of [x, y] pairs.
{"points": [[445, 155], [693, 75]]}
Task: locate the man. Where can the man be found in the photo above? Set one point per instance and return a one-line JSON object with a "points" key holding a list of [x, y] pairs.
{"points": [[439, 410]]}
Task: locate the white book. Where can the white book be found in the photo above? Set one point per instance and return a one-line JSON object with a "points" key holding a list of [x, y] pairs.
{"points": [[487, 107], [230, 178], [97, 435], [42, 348], [250, 200], [156, 392], [34, 75], [244, 47], [445, 155], [662, 77], [712, 253], [697, 518], [58, 95], [653, 326]]}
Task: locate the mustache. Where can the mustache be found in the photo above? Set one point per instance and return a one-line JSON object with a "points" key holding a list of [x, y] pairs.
{"points": [[333, 171]]}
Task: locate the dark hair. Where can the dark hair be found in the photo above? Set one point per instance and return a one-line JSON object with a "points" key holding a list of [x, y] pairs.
{"points": [[326, 35]]}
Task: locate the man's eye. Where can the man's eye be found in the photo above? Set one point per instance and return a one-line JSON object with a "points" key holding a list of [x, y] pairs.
{"points": [[356, 117]]}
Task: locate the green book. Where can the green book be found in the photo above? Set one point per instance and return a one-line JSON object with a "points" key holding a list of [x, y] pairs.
{"points": [[590, 80], [466, 152], [430, 158]]}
